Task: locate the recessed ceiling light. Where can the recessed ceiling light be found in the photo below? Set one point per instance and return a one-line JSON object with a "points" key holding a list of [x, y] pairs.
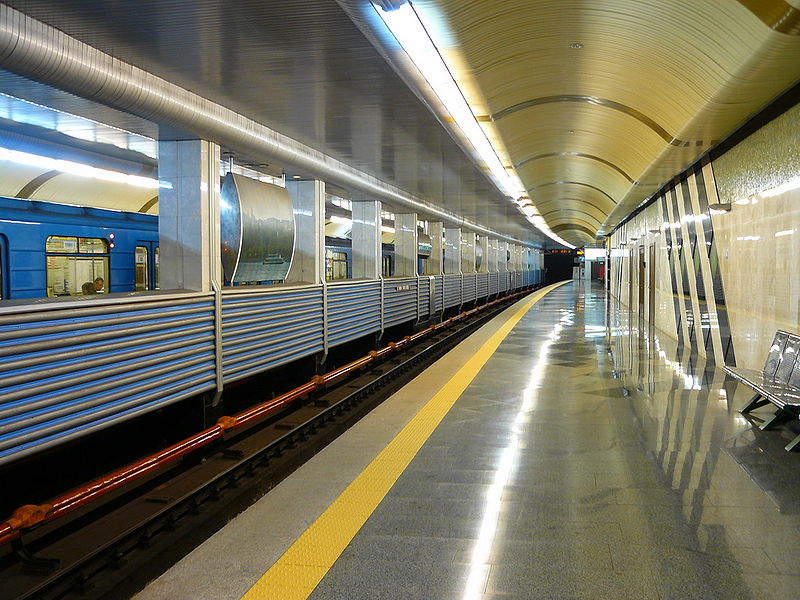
{"points": [[295, 176], [576, 45], [572, 131]]}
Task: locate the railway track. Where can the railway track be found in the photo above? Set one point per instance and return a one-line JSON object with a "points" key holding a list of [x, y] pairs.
{"points": [[111, 547]]}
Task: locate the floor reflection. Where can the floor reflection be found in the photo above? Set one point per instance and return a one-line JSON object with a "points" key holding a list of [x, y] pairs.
{"points": [[591, 457], [736, 486]]}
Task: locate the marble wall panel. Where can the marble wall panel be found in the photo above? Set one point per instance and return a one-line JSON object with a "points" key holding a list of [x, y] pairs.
{"points": [[688, 301], [759, 239], [728, 277]]}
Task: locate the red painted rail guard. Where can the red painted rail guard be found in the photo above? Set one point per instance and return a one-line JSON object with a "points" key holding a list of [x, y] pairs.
{"points": [[31, 515]]}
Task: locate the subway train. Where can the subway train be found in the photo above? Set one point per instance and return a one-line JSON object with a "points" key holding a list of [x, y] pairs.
{"points": [[71, 366], [49, 249]]}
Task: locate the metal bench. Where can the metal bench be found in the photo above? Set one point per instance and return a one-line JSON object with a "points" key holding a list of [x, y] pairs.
{"points": [[778, 382]]}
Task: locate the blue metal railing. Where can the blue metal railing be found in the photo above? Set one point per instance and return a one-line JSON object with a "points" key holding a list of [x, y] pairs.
{"points": [[354, 310], [399, 300], [265, 329], [70, 368]]}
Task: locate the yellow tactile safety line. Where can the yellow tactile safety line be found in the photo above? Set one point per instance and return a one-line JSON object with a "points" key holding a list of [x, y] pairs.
{"points": [[295, 575]]}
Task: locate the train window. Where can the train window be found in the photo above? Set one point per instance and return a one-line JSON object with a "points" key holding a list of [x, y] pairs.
{"points": [[335, 265], [158, 275], [387, 265], [140, 265], [76, 265]]}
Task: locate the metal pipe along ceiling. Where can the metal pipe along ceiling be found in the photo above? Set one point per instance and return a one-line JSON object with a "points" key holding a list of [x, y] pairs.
{"points": [[40, 52]]}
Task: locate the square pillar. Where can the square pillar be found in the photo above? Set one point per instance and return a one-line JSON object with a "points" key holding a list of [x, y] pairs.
{"points": [[502, 257], [405, 245], [366, 234], [434, 265], [188, 220], [491, 255], [452, 250], [467, 252], [308, 206]]}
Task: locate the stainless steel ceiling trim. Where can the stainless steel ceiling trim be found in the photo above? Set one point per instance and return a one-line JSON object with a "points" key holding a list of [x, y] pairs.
{"points": [[40, 52]]}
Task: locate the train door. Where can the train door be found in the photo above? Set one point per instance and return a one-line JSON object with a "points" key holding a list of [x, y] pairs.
{"points": [[388, 266], [145, 259]]}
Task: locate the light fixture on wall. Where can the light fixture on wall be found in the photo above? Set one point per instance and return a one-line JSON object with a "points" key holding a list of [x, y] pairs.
{"points": [[654, 231], [720, 207]]}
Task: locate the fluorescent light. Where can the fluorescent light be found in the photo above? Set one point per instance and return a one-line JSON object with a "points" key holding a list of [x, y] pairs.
{"points": [[413, 37], [73, 168], [407, 28], [387, 229], [341, 220]]}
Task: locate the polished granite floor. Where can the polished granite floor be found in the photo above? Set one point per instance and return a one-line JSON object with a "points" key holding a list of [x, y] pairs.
{"points": [[590, 458]]}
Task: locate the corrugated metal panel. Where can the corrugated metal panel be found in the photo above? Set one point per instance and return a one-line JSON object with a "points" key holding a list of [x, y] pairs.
{"points": [[65, 372], [439, 299], [452, 290], [266, 329], [425, 284], [503, 281], [469, 283], [493, 283], [482, 285], [354, 310], [399, 300]]}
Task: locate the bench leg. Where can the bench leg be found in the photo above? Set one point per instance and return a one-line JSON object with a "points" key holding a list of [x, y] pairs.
{"points": [[793, 444], [755, 402], [779, 417]]}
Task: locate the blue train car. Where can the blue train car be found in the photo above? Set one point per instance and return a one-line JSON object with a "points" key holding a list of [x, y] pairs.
{"points": [[49, 249], [339, 259]]}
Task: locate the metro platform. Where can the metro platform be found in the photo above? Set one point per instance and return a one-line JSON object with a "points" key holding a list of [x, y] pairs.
{"points": [[561, 451]]}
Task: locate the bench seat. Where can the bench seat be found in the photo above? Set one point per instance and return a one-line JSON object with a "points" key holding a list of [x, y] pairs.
{"points": [[778, 393], [777, 383]]}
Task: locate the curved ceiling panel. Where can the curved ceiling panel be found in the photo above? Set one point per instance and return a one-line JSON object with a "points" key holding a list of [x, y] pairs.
{"points": [[571, 205], [602, 101], [572, 168]]}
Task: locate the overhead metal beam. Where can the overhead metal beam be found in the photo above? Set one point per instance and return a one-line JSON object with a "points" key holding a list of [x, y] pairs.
{"points": [[40, 52]]}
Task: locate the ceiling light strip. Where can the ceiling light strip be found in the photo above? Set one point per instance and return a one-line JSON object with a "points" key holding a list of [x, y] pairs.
{"points": [[413, 37]]}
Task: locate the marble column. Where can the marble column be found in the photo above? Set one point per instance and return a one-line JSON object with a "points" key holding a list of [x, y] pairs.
{"points": [[405, 245], [434, 265], [188, 221], [452, 250], [491, 254], [308, 205], [366, 234], [467, 252], [503, 263]]}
